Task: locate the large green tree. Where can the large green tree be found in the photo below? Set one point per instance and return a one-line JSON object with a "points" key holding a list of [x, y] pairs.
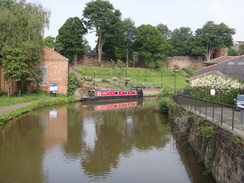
{"points": [[50, 41], [166, 33], [211, 37], [70, 40], [150, 45], [130, 34], [101, 16], [21, 35], [114, 47], [180, 40]]}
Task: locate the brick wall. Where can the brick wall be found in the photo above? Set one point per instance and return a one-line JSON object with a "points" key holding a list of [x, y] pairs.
{"points": [[183, 62], [57, 73], [170, 62]]}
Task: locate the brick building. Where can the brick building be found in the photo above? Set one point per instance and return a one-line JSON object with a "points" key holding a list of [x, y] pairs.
{"points": [[55, 71]]}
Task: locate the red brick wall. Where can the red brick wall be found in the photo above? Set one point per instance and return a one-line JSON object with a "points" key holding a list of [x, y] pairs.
{"points": [[57, 73], [183, 62], [170, 62]]}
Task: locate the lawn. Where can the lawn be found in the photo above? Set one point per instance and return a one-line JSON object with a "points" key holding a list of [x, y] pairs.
{"points": [[165, 78]]}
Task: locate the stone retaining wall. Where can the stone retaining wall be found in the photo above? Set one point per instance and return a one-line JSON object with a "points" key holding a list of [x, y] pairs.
{"points": [[223, 155]]}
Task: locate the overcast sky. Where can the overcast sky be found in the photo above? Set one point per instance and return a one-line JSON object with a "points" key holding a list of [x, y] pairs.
{"points": [[173, 13]]}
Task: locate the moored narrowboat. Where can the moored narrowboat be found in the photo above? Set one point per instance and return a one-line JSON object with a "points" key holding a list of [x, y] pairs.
{"points": [[93, 95]]}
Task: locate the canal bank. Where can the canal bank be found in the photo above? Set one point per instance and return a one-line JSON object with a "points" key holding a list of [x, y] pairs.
{"points": [[219, 150]]}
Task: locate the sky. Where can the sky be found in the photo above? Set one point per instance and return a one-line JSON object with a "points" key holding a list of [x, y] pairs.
{"points": [[173, 13]]}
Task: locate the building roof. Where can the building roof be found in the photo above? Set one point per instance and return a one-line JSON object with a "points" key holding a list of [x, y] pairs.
{"points": [[233, 67], [51, 55], [218, 60]]}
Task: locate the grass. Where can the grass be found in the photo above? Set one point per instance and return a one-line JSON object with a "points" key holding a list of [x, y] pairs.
{"points": [[143, 77], [38, 99], [38, 102]]}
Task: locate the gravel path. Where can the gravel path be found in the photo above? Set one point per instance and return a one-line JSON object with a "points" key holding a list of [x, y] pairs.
{"points": [[13, 107]]}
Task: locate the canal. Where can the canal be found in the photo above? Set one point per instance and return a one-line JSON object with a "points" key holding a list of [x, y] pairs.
{"points": [[123, 142]]}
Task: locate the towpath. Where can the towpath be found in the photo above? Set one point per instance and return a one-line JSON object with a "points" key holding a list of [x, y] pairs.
{"points": [[13, 107]]}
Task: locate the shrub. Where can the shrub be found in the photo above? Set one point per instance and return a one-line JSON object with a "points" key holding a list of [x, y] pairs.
{"points": [[226, 88], [73, 83]]}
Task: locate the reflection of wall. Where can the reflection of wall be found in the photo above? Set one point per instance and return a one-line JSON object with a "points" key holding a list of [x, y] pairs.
{"points": [[56, 131]]}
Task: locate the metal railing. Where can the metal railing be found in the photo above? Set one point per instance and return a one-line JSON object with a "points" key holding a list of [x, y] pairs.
{"points": [[222, 114]]}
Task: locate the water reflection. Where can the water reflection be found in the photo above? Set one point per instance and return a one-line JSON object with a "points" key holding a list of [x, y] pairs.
{"points": [[77, 143]]}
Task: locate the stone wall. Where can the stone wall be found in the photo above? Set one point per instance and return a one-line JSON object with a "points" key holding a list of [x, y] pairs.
{"points": [[170, 62], [222, 155], [183, 62]]}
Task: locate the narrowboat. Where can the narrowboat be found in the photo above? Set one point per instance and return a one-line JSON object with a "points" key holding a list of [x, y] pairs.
{"points": [[94, 95]]}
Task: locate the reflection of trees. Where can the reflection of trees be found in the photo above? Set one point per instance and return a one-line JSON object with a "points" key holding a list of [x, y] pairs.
{"points": [[117, 132], [21, 151], [100, 160], [73, 146]]}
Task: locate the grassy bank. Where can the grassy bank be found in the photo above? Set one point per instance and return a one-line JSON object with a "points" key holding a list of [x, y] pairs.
{"points": [[38, 101], [158, 78]]}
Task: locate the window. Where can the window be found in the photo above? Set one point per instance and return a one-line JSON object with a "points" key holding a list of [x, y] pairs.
{"points": [[240, 63], [44, 74], [231, 63]]}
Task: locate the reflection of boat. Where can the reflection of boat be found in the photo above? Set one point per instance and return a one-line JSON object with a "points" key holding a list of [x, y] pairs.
{"points": [[111, 105], [93, 95]]}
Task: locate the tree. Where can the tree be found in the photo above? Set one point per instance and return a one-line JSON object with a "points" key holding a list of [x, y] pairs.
{"points": [[49, 41], [102, 16], [212, 37], [241, 49], [135, 58], [232, 52], [166, 33], [114, 47], [150, 45], [21, 34], [70, 40], [180, 41], [130, 29]]}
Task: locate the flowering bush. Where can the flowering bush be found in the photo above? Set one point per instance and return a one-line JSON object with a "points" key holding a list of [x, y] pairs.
{"points": [[226, 88]]}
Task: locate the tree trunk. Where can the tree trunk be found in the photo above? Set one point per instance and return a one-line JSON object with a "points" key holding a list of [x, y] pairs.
{"points": [[127, 57], [9, 88], [101, 42], [209, 54], [75, 58]]}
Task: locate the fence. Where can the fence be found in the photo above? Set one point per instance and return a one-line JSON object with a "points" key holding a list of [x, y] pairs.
{"points": [[222, 114]]}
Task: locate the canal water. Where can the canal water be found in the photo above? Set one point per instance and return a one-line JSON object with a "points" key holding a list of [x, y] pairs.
{"points": [[122, 142]]}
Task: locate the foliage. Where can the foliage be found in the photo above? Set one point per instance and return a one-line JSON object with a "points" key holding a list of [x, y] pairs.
{"points": [[226, 88], [208, 133], [21, 30], [165, 100], [232, 52], [114, 47], [70, 40], [213, 36], [164, 30], [73, 84], [180, 41], [130, 29], [50, 41], [101, 16], [190, 70], [241, 49], [18, 69], [150, 45]]}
